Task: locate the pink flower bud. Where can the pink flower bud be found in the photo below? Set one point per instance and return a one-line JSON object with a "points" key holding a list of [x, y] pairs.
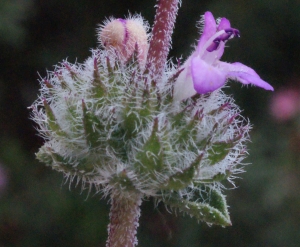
{"points": [[124, 37]]}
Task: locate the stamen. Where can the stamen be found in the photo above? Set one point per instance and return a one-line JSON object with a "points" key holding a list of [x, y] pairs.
{"points": [[223, 35], [232, 32], [214, 45], [210, 43], [236, 32]]}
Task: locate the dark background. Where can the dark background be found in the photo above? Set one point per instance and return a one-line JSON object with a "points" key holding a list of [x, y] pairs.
{"points": [[38, 209]]}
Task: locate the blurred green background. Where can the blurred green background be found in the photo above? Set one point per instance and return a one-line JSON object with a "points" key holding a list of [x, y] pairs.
{"points": [[38, 209]]}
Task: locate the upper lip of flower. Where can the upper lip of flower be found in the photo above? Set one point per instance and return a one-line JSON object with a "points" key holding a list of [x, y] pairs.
{"points": [[204, 67]]}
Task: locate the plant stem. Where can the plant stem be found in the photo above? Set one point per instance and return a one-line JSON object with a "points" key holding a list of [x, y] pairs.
{"points": [[124, 216], [161, 36]]}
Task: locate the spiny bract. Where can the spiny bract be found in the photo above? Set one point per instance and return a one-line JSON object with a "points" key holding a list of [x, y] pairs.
{"points": [[111, 125]]}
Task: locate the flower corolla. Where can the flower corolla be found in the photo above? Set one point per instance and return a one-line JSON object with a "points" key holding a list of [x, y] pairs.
{"points": [[203, 72]]}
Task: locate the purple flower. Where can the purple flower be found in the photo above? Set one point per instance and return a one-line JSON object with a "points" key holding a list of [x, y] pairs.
{"points": [[204, 72]]}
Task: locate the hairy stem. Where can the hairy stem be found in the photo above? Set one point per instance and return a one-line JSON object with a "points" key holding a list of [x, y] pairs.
{"points": [[124, 216], [161, 36]]}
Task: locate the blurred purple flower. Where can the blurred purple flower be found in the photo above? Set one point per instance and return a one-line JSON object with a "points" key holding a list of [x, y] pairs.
{"points": [[285, 104], [204, 72]]}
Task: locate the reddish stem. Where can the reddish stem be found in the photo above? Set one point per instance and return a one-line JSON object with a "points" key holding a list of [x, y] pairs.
{"points": [[161, 36], [124, 216]]}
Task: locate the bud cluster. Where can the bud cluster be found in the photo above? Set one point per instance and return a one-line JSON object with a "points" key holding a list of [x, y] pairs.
{"points": [[108, 123]]}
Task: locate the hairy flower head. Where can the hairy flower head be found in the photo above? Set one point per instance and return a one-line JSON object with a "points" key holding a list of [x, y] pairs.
{"points": [[112, 125]]}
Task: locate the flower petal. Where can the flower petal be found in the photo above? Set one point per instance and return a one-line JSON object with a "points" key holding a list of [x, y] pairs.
{"points": [[206, 78], [247, 78], [223, 24], [209, 29], [245, 75], [184, 87]]}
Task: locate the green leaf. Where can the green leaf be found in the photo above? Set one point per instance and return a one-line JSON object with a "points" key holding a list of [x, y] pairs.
{"points": [[220, 109], [90, 123], [151, 155], [51, 120], [110, 69], [137, 113], [60, 163], [99, 88], [182, 178], [217, 178], [188, 130], [219, 151], [213, 212], [130, 122]]}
